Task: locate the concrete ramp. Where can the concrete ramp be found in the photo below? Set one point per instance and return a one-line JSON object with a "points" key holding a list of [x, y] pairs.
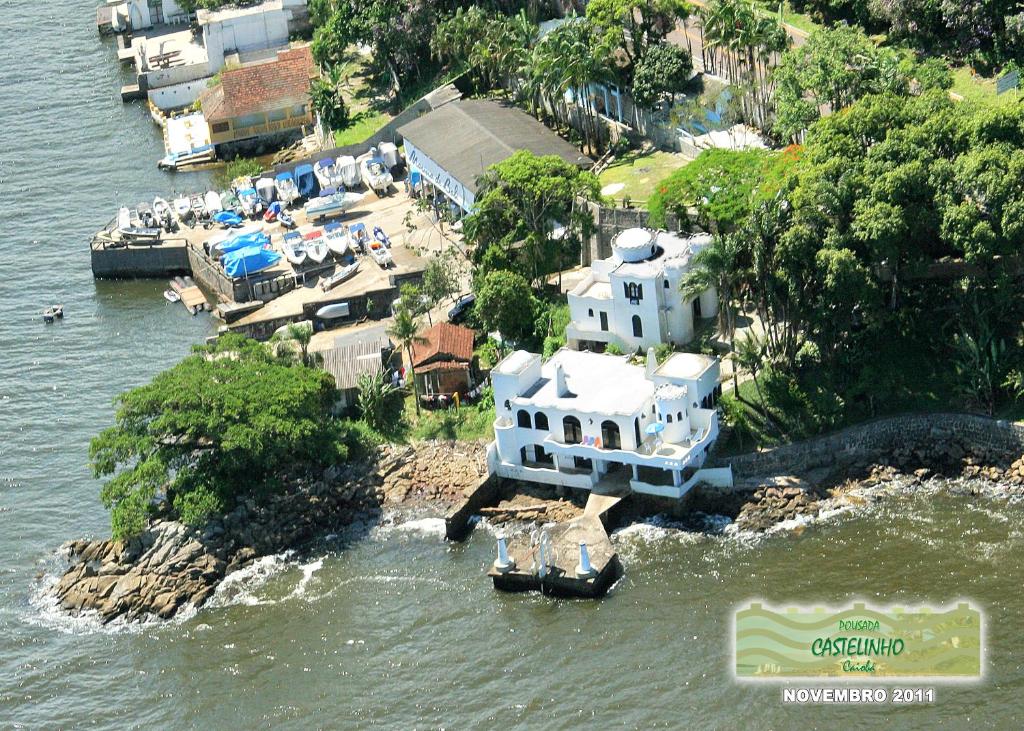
{"points": [[599, 504]]}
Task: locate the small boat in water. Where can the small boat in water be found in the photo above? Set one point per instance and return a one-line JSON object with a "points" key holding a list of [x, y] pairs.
{"points": [[213, 202], [339, 276], [53, 312], [171, 296], [287, 192], [374, 172]]}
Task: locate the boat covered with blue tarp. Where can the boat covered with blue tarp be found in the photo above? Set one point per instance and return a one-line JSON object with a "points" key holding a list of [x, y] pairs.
{"points": [[249, 260], [254, 238], [305, 180]]}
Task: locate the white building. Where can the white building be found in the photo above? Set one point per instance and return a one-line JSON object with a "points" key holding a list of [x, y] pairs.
{"points": [[633, 299], [174, 65], [585, 418]]}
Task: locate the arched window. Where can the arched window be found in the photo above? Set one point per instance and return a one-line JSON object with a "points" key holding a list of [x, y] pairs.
{"points": [[638, 327], [669, 419], [610, 437], [572, 429], [523, 419], [679, 416], [540, 421]]}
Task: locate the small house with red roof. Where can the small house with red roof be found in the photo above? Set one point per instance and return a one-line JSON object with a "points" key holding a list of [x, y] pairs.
{"points": [[261, 99], [443, 360]]}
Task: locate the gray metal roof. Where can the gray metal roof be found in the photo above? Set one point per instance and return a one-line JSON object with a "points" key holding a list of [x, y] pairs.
{"points": [[355, 353], [466, 137]]}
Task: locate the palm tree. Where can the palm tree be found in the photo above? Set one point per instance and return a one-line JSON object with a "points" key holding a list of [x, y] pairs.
{"points": [[405, 330], [716, 266], [302, 337]]}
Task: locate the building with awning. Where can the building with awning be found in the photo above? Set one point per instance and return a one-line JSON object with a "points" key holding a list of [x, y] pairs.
{"points": [[450, 147]]}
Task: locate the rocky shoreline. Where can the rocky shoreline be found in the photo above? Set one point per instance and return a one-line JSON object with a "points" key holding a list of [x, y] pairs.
{"points": [[761, 503], [172, 566]]}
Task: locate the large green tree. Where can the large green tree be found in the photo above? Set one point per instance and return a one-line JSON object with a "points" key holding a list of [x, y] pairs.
{"points": [[506, 303], [664, 70], [531, 215], [225, 422]]}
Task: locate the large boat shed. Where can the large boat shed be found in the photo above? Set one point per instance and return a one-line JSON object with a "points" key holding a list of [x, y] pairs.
{"points": [[451, 146]]}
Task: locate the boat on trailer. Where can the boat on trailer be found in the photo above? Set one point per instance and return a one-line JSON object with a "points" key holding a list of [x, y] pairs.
{"points": [[337, 239]]}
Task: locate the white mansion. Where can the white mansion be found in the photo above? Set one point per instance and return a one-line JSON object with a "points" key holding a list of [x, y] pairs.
{"points": [[632, 299], [582, 418]]}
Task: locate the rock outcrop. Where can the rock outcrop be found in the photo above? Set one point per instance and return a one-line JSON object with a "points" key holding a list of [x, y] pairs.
{"points": [[171, 566]]}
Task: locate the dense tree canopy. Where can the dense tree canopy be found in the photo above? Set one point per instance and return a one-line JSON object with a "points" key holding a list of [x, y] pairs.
{"points": [[225, 422], [664, 70], [530, 215], [506, 303]]}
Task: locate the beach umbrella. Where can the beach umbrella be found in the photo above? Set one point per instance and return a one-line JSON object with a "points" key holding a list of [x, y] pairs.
{"points": [[654, 428]]}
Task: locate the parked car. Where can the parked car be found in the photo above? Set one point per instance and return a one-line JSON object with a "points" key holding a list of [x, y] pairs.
{"points": [[460, 311]]}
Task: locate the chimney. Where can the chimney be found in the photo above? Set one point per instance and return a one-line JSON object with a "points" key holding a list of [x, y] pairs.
{"points": [[561, 388], [652, 364]]}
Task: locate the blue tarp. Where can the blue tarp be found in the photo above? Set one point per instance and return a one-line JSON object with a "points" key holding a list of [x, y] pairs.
{"points": [[256, 238], [228, 218], [249, 260], [284, 176], [305, 181]]}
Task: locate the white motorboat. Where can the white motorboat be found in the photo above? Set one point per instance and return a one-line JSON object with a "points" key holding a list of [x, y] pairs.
{"points": [[182, 207], [380, 254], [250, 201], [267, 190], [374, 172], [213, 202], [171, 296], [130, 226], [336, 238], [339, 276], [327, 174], [146, 216], [331, 312], [287, 191], [162, 211], [331, 204], [294, 252], [389, 152], [348, 169], [317, 250], [198, 207]]}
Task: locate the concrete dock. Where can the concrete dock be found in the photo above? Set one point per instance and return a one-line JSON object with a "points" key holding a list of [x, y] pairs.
{"points": [[261, 303], [550, 560]]}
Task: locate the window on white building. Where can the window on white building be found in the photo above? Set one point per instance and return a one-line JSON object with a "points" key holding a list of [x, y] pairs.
{"points": [[523, 419], [610, 437], [572, 429], [540, 421], [638, 327]]}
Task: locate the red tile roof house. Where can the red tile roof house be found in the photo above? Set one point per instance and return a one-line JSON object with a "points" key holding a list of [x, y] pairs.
{"points": [[443, 362], [269, 98]]}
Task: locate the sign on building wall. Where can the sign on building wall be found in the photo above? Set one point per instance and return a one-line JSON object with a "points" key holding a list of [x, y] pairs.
{"points": [[439, 176]]}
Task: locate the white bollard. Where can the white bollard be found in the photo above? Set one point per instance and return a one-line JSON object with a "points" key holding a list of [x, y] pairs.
{"points": [[584, 569], [504, 564]]}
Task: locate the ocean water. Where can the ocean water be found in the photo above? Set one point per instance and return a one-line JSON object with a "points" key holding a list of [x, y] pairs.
{"points": [[390, 626]]}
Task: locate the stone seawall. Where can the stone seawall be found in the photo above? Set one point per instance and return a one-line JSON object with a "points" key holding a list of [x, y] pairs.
{"points": [[875, 439], [135, 262]]}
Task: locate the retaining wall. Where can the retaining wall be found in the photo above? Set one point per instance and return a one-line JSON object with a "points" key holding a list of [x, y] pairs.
{"points": [[869, 441], [133, 262]]}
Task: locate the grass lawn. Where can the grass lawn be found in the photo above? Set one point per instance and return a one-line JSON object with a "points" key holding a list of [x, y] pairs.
{"points": [[640, 173], [978, 89], [467, 423], [363, 125]]}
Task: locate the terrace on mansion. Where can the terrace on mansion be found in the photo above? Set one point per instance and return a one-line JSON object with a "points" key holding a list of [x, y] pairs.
{"points": [[582, 418]]}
